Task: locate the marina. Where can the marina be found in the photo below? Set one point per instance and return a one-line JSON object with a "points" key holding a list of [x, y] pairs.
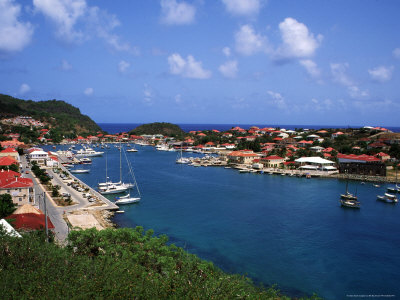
{"points": [[284, 230]]}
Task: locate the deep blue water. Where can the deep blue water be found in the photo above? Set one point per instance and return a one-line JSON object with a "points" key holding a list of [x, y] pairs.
{"points": [[113, 128], [278, 230]]}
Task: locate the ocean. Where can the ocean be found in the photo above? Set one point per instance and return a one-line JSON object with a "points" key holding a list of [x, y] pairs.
{"points": [[113, 128], [280, 230]]}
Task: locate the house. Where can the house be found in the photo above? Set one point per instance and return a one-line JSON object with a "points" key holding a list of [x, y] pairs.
{"points": [[38, 156], [7, 161], [242, 157], [21, 189], [34, 219], [12, 144], [336, 134], [361, 164], [383, 156], [272, 161], [10, 152], [316, 163]]}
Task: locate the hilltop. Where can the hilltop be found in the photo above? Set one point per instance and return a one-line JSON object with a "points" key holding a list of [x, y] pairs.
{"points": [[166, 129], [58, 115]]}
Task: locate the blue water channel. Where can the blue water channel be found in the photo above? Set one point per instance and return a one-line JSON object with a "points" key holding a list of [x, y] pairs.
{"points": [[279, 230]]}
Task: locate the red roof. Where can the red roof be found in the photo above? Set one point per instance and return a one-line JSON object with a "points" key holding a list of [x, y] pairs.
{"points": [[7, 161], [362, 157], [8, 150], [30, 221], [8, 174], [210, 143], [16, 182], [201, 134]]}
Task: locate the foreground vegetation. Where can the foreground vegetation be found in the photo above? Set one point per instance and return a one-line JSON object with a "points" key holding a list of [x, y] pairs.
{"points": [[114, 264]]}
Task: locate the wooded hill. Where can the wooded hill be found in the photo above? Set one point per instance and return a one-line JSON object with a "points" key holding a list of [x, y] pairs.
{"points": [[60, 115], [167, 129]]}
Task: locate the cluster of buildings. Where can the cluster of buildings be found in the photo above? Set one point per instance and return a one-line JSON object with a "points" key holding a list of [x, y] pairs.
{"points": [[23, 121]]}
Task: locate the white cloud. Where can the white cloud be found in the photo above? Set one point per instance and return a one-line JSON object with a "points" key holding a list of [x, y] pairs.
{"points": [[311, 68], [298, 42], [226, 51], [147, 94], [65, 14], [189, 68], [14, 35], [178, 98], [229, 69], [88, 91], [277, 99], [242, 7], [123, 66], [356, 93], [77, 22], [339, 73], [381, 73], [177, 13], [247, 42], [24, 88], [65, 65], [396, 53]]}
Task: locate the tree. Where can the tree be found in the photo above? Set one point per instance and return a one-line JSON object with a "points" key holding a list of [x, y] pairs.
{"points": [[7, 207]]}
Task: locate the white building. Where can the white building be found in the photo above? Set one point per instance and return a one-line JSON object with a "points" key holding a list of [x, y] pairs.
{"points": [[316, 163]]}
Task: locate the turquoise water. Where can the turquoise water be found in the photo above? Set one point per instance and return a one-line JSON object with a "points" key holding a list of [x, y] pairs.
{"points": [[278, 230]]}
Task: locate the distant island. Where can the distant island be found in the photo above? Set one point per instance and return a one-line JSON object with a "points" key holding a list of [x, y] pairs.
{"points": [[166, 129]]}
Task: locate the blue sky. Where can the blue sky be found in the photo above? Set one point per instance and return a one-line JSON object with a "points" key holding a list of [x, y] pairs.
{"points": [[207, 61]]}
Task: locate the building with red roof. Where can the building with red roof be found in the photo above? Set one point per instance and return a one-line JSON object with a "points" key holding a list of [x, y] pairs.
{"points": [[30, 221], [10, 152], [361, 164], [21, 189], [7, 161], [272, 161], [243, 156]]}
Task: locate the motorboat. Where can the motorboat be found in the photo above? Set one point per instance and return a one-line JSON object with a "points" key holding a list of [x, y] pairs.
{"points": [[128, 200], [79, 171], [85, 161], [389, 198], [88, 152]]}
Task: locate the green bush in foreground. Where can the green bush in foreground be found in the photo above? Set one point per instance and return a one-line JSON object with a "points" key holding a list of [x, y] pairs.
{"points": [[114, 264]]}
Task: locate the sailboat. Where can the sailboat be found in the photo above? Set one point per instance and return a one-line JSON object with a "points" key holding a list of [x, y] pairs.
{"points": [[347, 195], [127, 199], [394, 189], [110, 187], [348, 199], [181, 159]]}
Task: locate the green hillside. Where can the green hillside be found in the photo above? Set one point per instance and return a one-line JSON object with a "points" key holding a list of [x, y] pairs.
{"points": [[61, 116], [167, 129]]}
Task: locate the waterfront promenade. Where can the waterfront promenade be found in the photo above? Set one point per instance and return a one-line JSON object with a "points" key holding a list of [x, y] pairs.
{"points": [[81, 213]]}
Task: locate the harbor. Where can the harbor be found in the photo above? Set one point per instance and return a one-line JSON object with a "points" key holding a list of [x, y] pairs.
{"points": [[263, 225]]}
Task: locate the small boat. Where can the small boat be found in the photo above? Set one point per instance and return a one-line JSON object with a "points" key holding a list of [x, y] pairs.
{"points": [[131, 150], [347, 195], [79, 171], [349, 203], [389, 198], [377, 185], [119, 211], [128, 200], [85, 161]]}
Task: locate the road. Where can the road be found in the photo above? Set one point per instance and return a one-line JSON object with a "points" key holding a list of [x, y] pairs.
{"points": [[55, 212]]}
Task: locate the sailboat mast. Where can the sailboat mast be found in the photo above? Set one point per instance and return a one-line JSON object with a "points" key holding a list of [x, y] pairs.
{"points": [[120, 162]]}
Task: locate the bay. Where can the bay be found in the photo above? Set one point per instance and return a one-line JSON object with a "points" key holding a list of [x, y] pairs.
{"points": [[279, 230]]}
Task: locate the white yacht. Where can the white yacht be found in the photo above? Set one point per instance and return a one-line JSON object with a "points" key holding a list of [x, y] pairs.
{"points": [[88, 152]]}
